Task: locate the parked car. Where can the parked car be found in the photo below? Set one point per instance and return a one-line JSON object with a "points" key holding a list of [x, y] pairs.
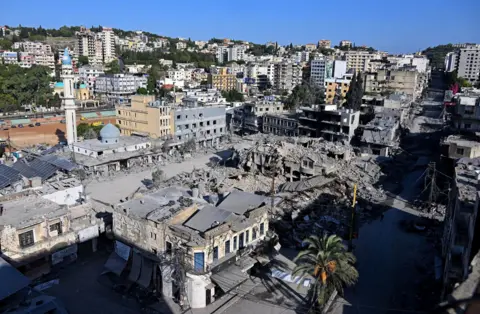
{"points": [[20, 125], [38, 124], [31, 125], [5, 128], [63, 121], [14, 126]]}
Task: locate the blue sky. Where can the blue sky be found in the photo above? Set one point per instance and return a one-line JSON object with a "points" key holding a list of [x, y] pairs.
{"points": [[393, 25]]}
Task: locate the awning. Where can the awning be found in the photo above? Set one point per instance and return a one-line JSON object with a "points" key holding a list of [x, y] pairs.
{"points": [[115, 264], [146, 274], [136, 267], [229, 278]]}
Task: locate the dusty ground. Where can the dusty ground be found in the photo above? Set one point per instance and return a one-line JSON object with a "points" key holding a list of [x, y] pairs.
{"points": [[50, 133]]}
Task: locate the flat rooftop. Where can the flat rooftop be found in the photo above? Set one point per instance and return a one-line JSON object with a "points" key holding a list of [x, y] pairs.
{"points": [[159, 205], [123, 141], [462, 141], [30, 210]]}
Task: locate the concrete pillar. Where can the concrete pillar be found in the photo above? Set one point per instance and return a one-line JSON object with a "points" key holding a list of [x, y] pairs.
{"points": [[94, 244]]}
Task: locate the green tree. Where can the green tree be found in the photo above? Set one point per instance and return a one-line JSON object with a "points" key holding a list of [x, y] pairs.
{"points": [[82, 128], [305, 94], [326, 260], [232, 95], [142, 91], [353, 93], [82, 60], [113, 67], [6, 44]]}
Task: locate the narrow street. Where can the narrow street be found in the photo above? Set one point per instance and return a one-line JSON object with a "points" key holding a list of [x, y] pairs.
{"points": [[392, 261]]}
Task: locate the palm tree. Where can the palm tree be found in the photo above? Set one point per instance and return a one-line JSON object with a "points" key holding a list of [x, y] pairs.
{"points": [[326, 260]]}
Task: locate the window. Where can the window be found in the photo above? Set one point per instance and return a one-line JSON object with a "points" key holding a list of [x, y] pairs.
{"points": [[352, 120], [227, 247], [254, 234], [460, 151], [240, 241], [153, 235], [214, 121], [310, 164], [168, 247], [247, 236], [215, 253], [56, 227], [305, 163], [234, 242], [221, 130], [26, 239], [262, 228], [201, 124], [208, 122], [467, 125], [194, 125], [178, 117]]}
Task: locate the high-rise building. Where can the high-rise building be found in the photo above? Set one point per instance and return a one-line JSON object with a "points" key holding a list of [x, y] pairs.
{"points": [[469, 63], [359, 60], [451, 61], [89, 45], [317, 72], [69, 98], [108, 44], [287, 75]]}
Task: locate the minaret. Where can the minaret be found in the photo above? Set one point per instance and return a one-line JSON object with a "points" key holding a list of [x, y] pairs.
{"points": [[69, 98]]}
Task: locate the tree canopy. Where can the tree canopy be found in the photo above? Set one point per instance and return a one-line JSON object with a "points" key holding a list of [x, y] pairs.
{"points": [[305, 94], [232, 95], [24, 86], [437, 54], [326, 259], [113, 67], [355, 92]]}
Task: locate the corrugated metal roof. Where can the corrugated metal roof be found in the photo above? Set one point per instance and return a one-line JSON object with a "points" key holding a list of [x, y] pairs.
{"points": [[24, 169], [207, 217], [239, 202], [12, 280], [8, 175], [35, 168]]}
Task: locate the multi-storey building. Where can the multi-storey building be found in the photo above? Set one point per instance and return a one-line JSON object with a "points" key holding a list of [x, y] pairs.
{"points": [[287, 75], [345, 43], [90, 45], [324, 43], [88, 74], [249, 117], [10, 57], [301, 56], [181, 45], [405, 81], [145, 116], [118, 86], [466, 115], [460, 224], [204, 124], [329, 122], [359, 60], [230, 53], [223, 80], [108, 44], [469, 63], [451, 61], [26, 60], [46, 59], [33, 47], [317, 72], [310, 47], [336, 89], [280, 124]]}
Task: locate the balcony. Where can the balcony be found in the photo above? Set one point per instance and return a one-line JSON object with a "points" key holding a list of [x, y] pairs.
{"points": [[308, 118]]}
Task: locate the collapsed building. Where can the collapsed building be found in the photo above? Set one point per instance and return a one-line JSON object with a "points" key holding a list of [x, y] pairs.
{"points": [[381, 134]]}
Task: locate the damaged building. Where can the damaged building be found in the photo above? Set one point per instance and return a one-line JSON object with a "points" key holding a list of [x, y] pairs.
{"points": [[187, 240], [381, 134], [249, 117], [461, 224], [329, 122]]}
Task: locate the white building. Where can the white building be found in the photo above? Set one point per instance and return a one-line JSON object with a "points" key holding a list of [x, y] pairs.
{"points": [[339, 68], [301, 56], [287, 75], [469, 63], [108, 44], [176, 75], [317, 72], [345, 43], [10, 57], [451, 61], [89, 74], [117, 86], [359, 60], [181, 45], [230, 53], [90, 45]]}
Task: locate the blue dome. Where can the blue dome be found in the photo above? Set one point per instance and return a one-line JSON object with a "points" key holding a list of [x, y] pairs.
{"points": [[109, 134], [66, 60]]}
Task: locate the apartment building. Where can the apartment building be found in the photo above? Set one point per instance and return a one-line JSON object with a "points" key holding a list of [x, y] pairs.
{"points": [[405, 81], [249, 117], [359, 60], [108, 44], [26, 60], [460, 223], [310, 47], [318, 72], [145, 116], [329, 122], [33, 47], [230, 53], [88, 44], [47, 60], [336, 89], [117, 86], [345, 43], [280, 124], [466, 115], [88, 74], [469, 63], [301, 56], [325, 43], [287, 75], [181, 45], [223, 81], [10, 57], [204, 124], [451, 61]]}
